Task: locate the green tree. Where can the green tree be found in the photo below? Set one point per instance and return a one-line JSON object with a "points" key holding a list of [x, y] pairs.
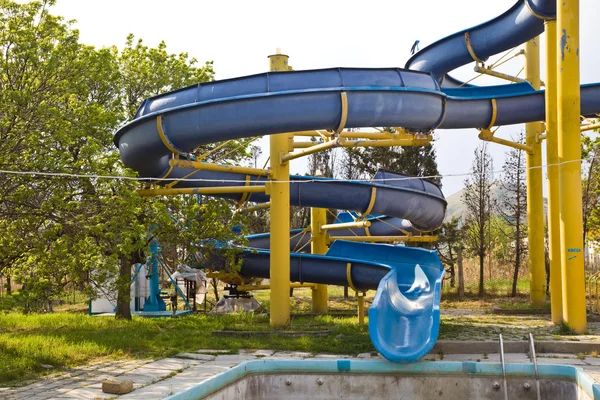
{"points": [[412, 160], [61, 102], [477, 199], [514, 204], [59, 107], [590, 154], [450, 241]]}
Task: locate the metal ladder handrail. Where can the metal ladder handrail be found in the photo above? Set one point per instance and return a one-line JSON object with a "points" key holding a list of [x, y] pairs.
{"points": [[503, 367], [533, 358]]}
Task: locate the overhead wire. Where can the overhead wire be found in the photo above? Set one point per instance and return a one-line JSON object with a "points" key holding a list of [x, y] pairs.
{"points": [[43, 174]]}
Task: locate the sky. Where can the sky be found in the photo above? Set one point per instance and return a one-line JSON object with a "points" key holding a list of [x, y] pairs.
{"points": [[239, 35]]}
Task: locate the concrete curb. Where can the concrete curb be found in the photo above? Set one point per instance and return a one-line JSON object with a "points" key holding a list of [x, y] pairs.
{"points": [[517, 346]]}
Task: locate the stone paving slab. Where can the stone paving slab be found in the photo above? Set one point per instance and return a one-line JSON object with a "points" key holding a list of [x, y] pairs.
{"points": [[211, 351], [165, 388], [236, 358], [144, 376], [196, 356], [257, 353], [171, 364]]}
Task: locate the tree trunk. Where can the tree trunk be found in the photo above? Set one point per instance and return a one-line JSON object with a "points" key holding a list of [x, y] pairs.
{"points": [[517, 261], [461, 277], [481, 272], [452, 276], [215, 285], [124, 289], [8, 285]]}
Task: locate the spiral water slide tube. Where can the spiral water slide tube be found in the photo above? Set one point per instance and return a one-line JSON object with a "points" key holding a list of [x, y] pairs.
{"points": [[404, 317]]}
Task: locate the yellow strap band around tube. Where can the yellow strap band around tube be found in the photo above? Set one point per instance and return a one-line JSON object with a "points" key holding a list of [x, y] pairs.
{"points": [[494, 114], [165, 139], [533, 12], [372, 202], [349, 276], [470, 48], [344, 117]]}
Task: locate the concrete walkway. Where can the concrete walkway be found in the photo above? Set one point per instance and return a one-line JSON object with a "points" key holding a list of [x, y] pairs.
{"points": [[161, 378]]}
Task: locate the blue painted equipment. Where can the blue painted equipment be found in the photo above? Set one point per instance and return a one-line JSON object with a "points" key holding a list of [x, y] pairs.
{"points": [[154, 302]]}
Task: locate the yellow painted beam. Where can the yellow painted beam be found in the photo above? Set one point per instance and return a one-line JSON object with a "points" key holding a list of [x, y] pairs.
{"points": [[552, 176], [590, 127], [386, 142], [249, 288], [345, 225], [216, 167], [488, 136], [310, 150], [318, 245], [303, 144], [313, 133], [261, 206], [569, 170], [373, 135], [361, 308], [535, 204], [496, 74], [280, 145], [405, 238], [202, 190]]}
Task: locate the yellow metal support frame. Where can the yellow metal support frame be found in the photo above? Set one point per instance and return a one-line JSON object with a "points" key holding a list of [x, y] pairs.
{"points": [[590, 127], [535, 205], [206, 190], [318, 219], [569, 170], [488, 136], [357, 225], [496, 74], [552, 176], [280, 145], [249, 288], [216, 167], [382, 239], [361, 308]]}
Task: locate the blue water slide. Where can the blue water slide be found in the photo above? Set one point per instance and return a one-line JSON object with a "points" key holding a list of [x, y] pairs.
{"points": [[404, 317], [522, 22]]}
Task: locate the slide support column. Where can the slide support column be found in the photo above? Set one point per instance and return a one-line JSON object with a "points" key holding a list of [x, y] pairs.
{"points": [[535, 202], [569, 170], [318, 218], [280, 218], [552, 179]]}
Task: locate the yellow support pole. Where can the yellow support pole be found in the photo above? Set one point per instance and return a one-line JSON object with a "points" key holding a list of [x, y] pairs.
{"points": [[488, 136], [345, 225], [280, 145], [496, 74], [383, 239], [205, 190], [552, 178], [216, 167], [535, 204], [318, 218], [569, 170], [361, 308], [590, 127], [295, 285]]}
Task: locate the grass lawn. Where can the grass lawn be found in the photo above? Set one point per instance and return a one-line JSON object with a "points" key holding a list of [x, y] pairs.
{"points": [[68, 338]]}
